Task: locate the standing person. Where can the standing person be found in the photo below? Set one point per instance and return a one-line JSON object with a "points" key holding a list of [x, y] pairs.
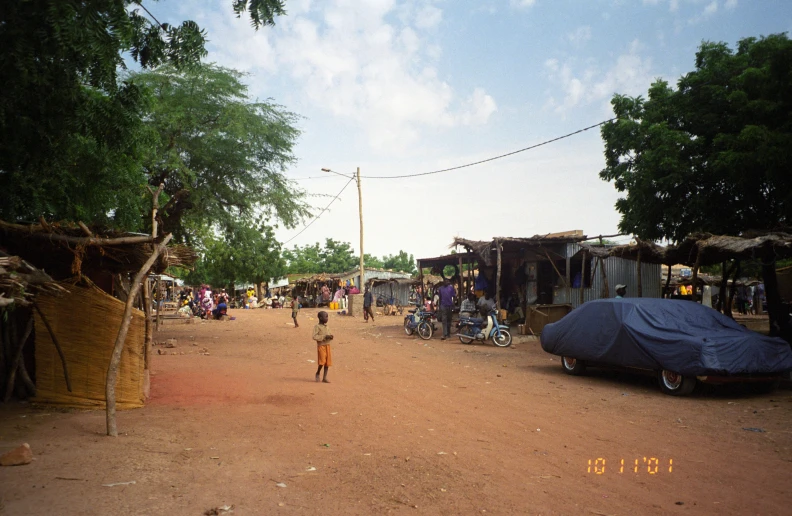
{"points": [[367, 299], [322, 336], [295, 309], [621, 291], [446, 294]]}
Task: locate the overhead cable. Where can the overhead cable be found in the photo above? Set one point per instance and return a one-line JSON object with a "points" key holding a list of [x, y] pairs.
{"points": [[320, 213], [494, 157]]}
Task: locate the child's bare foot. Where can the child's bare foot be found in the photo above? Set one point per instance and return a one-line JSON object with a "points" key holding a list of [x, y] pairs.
{"points": [[317, 377], [325, 381]]}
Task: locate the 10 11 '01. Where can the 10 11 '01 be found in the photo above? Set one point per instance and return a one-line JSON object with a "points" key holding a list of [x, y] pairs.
{"points": [[650, 465]]}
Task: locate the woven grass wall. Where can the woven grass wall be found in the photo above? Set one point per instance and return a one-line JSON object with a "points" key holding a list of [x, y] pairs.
{"points": [[86, 322]]}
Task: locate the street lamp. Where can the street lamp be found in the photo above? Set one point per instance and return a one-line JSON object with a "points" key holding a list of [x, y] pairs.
{"points": [[360, 208]]}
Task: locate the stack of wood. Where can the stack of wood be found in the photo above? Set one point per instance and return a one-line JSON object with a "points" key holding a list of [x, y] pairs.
{"points": [[20, 282]]}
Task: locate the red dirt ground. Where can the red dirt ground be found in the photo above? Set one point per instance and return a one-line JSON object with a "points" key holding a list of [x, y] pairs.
{"points": [[406, 426]]}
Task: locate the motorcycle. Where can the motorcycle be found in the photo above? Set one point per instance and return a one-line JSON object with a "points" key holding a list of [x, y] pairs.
{"points": [[421, 321], [478, 328]]}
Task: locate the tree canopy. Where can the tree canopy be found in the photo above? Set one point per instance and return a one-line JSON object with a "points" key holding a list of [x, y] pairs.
{"points": [[336, 257], [220, 155], [71, 132], [712, 154]]}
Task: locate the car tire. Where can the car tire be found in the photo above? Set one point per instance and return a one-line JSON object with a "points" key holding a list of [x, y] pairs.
{"points": [[675, 384], [573, 366]]}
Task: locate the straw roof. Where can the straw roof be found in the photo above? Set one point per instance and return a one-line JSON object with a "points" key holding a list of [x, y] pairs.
{"points": [[65, 250], [714, 249], [486, 249]]}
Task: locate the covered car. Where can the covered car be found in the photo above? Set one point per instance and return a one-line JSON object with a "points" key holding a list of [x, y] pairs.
{"points": [[680, 340]]}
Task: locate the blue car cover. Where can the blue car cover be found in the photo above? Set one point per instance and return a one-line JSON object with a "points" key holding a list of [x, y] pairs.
{"points": [[676, 335]]}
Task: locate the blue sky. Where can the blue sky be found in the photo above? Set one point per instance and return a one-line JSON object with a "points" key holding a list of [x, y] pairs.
{"points": [[407, 86]]}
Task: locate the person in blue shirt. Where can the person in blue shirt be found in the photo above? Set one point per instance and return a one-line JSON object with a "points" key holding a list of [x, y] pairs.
{"points": [[447, 294]]}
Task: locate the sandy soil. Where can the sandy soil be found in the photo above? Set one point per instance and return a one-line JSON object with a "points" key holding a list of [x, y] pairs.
{"points": [[406, 426]]}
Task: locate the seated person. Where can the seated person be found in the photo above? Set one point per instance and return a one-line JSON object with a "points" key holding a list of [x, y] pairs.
{"points": [[468, 308], [220, 310], [486, 304]]}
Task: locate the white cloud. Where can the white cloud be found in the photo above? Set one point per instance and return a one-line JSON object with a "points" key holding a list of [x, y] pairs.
{"points": [[630, 74], [522, 3], [708, 11], [355, 60], [730, 4], [429, 16], [580, 35]]}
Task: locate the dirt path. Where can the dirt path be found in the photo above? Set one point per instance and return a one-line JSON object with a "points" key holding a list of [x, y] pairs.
{"points": [[406, 426]]}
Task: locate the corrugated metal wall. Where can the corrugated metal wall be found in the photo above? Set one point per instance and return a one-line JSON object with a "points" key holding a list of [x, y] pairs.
{"points": [[618, 270], [400, 291], [374, 274]]}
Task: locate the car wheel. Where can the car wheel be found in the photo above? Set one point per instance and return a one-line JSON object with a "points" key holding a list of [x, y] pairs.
{"points": [[676, 384], [573, 366], [425, 330]]}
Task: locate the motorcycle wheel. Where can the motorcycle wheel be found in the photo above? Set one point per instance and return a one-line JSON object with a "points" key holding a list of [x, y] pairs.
{"points": [[468, 331], [407, 329], [504, 340], [425, 330]]}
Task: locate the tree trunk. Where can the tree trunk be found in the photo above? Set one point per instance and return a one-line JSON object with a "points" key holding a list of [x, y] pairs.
{"points": [[115, 358], [778, 312]]}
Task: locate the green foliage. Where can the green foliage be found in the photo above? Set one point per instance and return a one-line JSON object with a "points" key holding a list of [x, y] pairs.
{"points": [[219, 154], [239, 255], [336, 257], [71, 132], [712, 155]]}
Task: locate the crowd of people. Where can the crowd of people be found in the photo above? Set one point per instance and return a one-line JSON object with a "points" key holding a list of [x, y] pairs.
{"points": [[205, 303]]}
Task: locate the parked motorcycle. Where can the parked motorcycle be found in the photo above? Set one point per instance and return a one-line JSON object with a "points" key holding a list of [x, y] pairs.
{"points": [[479, 328], [421, 321]]}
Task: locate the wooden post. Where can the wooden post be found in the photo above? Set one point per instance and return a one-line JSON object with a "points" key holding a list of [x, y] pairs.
{"points": [[159, 303], [498, 280], [118, 347], [15, 360], [668, 282], [421, 279], [582, 276], [567, 275], [695, 272], [148, 337], [360, 209], [638, 272], [604, 278], [461, 294]]}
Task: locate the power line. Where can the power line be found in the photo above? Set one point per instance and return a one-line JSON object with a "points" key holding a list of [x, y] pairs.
{"points": [[495, 157], [320, 213]]}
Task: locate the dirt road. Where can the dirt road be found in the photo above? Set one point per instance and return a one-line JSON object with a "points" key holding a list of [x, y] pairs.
{"points": [[405, 426]]}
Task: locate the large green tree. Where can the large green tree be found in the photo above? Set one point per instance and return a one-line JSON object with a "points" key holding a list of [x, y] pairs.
{"points": [[713, 154], [70, 129], [336, 257], [220, 154]]}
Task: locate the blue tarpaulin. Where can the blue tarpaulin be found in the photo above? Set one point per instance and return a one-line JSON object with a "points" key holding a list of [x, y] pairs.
{"points": [[674, 335]]}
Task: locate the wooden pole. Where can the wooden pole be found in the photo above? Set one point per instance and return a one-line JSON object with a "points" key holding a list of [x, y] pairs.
{"points": [[604, 278], [155, 207], [360, 209], [160, 302], [695, 272], [668, 282], [638, 272], [16, 359], [115, 358], [582, 276], [461, 294], [57, 346], [149, 328], [498, 278]]}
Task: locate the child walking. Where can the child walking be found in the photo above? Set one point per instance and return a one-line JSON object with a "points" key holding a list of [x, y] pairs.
{"points": [[295, 309], [322, 336]]}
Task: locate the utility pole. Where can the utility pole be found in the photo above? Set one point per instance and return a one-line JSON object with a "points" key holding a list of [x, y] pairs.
{"points": [[360, 207]]}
